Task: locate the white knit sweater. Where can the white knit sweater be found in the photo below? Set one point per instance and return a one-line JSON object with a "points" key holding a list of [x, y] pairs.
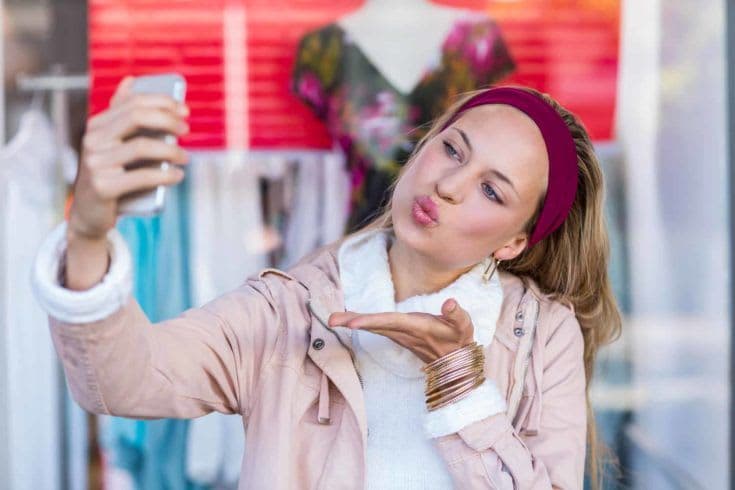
{"points": [[400, 452]]}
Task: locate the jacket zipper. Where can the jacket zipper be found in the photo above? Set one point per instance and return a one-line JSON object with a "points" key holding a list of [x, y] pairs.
{"points": [[519, 377]]}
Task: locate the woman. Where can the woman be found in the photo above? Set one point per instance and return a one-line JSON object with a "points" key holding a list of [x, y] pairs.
{"points": [[449, 343]]}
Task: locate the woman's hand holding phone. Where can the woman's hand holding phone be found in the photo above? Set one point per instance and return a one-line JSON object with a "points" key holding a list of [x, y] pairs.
{"points": [[107, 147]]}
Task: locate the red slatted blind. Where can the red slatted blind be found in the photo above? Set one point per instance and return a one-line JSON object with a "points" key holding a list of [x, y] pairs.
{"points": [[568, 48]]}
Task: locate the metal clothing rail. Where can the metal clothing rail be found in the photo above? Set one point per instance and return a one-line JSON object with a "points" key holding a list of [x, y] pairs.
{"points": [[59, 85]]}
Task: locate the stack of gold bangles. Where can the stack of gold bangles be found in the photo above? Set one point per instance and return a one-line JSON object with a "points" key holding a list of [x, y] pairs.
{"points": [[452, 376]]}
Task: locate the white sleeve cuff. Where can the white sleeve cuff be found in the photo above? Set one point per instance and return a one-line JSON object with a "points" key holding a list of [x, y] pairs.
{"points": [[96, 303], [483, 401]]}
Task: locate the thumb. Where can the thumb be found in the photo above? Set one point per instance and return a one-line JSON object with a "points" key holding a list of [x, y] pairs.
{"points": [[457, 315]]}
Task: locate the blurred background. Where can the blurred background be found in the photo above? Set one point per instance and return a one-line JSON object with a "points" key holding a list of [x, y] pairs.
{"points": [[300, 120]]}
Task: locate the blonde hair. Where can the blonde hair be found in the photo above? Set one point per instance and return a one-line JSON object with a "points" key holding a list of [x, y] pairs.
{"points": [[579, 250]]}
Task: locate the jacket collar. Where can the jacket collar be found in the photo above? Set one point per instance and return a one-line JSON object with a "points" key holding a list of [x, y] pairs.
{"points": [[318, 273]]}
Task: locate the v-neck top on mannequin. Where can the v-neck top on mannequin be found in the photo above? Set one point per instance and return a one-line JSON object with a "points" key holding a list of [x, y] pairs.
{"points": [[374, 122]]}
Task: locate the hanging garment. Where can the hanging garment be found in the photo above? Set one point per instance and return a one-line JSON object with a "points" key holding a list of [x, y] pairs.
{"points": [[317, 214], [154, 451], [376, 124], [31, 194], [226, 222], [226, 203]]}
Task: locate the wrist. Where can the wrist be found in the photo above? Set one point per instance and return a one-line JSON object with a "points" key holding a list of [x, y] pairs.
{"points": [[78, 231], [454, 375]]}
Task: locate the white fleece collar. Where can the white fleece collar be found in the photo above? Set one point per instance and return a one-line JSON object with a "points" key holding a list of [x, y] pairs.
{"points": [[368, 288]]}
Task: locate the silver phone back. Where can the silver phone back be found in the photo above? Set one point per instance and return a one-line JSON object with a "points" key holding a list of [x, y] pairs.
{"points": [[151, 202]]}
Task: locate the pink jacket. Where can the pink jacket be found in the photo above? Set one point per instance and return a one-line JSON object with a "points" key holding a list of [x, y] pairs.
{"points": [[264, 351]]}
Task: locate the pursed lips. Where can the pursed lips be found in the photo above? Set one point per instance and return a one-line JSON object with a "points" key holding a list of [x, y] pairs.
{"points": [[429, 207]]}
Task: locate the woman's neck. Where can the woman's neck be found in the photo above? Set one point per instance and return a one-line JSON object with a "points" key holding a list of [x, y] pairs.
{"points": [[412, 274]]}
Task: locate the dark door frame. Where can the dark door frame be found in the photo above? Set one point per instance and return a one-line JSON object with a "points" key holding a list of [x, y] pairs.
{"points": [[730, 60]]}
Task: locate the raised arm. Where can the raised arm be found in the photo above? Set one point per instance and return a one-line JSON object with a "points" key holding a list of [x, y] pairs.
{"points": [[117, 362]]}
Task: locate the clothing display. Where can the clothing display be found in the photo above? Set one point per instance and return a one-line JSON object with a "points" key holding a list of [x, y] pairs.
{"points": [[224, 203], [225, 220], [375, 123], [214, 451], [153, 452], [30, 193], [317, 213]]}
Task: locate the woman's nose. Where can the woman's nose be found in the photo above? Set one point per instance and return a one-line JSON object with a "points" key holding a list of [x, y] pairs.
{"points": [[452, 186]]}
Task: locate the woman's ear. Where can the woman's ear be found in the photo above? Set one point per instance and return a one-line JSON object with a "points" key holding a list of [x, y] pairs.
{"points": [[513, 248]]}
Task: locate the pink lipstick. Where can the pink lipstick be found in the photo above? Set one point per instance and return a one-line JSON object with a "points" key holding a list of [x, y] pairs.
{"points": [[425, 211]]}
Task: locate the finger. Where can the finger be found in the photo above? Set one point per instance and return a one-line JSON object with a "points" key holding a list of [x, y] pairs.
{"points": [[150, 101], [388, 320], [341, 317], [456, 315], [139, 118], [116, 184], [123, 88], [137, 149]]}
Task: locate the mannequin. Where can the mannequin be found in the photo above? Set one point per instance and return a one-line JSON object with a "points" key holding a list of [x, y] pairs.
{"points": [[378, 75], [383, 29]]}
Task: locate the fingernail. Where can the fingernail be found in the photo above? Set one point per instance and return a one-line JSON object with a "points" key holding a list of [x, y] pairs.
{"points": [[452, 306], [183, 110]]}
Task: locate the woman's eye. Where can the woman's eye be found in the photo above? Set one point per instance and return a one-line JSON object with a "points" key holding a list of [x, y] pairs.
{"points": [[450, 150], [489, 192]]}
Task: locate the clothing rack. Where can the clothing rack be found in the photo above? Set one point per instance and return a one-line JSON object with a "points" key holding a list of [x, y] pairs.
{"points": [[59, 85]]}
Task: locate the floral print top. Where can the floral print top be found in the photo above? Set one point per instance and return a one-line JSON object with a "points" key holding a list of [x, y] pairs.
{"points": [[375, 123]]}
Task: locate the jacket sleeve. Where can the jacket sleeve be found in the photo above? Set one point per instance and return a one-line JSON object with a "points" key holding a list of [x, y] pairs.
{"points": [[117, 362], [489, 453]]}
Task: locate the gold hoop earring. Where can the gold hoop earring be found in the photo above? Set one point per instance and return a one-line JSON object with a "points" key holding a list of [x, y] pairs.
{"points": [[490, 269]]}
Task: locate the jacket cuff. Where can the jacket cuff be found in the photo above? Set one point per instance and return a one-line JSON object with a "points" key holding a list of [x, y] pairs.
{"points": [[482, 402], [93, 304]]}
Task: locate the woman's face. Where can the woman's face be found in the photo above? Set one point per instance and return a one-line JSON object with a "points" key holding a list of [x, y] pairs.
{"points": [[478, 212]]}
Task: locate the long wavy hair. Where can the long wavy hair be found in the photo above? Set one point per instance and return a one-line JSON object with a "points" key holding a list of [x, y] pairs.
{"points": [[570, 265]]}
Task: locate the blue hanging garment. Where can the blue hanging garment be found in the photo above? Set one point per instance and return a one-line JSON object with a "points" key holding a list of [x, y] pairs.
{"points": [[153, 452]]}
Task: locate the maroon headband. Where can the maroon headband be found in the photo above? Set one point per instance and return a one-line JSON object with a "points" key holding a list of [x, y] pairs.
{"points": [[559, 146]]}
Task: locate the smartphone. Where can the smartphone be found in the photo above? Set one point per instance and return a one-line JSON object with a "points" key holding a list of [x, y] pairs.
{"points": [[150, 202]]}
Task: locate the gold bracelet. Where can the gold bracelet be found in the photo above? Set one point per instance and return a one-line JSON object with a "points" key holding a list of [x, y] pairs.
{"points": [[472, 362], [454, 396], [448, 366], [461, 352], [434, 378], [449, 390], [440, 376], [455, 355], [457, 397], [474, 371]]}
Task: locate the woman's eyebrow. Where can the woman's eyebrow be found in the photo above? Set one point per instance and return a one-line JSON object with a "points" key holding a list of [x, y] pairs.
{"points": [[505, 179], [497, 173], [464, 137]]}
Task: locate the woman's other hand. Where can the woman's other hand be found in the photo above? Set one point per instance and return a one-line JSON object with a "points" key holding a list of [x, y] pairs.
{"points": [[428, 336]]}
